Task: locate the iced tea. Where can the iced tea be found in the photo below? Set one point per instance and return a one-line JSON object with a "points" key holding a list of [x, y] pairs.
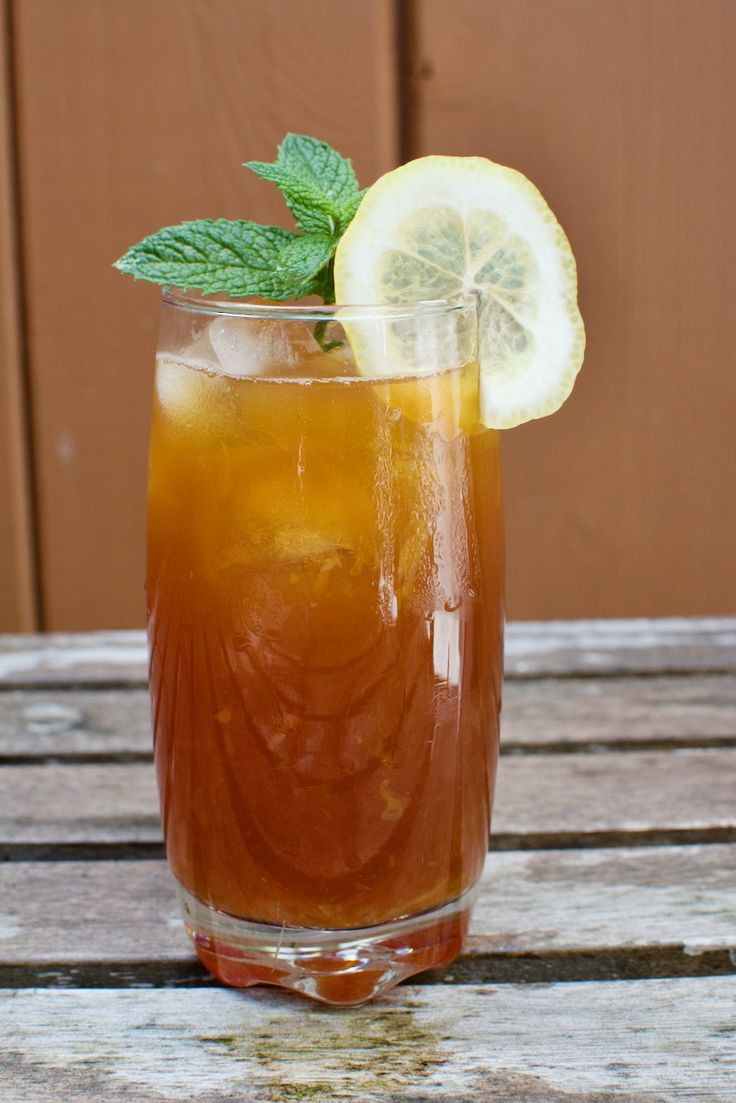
{"points": [[324, 589]]}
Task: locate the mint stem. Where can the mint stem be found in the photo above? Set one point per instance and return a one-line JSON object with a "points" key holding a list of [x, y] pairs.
{"points": [[320, 330]]}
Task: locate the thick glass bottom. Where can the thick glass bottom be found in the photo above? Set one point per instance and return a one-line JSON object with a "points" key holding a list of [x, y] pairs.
{"points": [[335, 966]]}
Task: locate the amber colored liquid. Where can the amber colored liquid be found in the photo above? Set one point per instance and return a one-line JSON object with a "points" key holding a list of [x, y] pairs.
{"points": [[324, 587]]}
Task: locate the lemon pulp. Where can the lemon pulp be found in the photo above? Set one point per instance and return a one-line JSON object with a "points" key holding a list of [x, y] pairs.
{"points": [[442, 227]]}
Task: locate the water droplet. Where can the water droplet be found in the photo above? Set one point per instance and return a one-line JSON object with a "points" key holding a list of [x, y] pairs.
{"points": [[453, 603]]}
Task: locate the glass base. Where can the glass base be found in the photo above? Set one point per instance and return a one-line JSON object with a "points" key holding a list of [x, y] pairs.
{"points": [[335, 966]]}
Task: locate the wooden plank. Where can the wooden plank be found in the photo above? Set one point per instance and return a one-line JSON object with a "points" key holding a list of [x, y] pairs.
{"points": [[621, 112], [74, 658], [18, 611], [569, 900], [148, 127], [670, 910], [655, 1041], [107, 723], [79, 804], [588, 799], [538, 715], [560, 799], [629, 646], [623, 711], [533, 649]]}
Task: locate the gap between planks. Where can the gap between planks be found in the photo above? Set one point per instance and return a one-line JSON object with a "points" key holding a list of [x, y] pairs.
{"points": [[551, 967], [575, 801], [712, 669], [539, 717], [554, 916], [499, 843], [576, 798], [626, 746], [599, 648]]}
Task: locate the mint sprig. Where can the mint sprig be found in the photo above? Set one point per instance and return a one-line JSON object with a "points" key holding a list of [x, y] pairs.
{"points": [[242, 259], [318, 184]]}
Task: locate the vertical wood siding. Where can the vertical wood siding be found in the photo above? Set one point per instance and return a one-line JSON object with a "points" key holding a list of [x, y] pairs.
{"points": [[17, 560], [622, 113], [134, 114], [130, 114]]}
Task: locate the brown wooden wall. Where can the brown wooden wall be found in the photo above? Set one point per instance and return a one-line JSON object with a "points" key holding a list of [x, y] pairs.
{"points": [[118, 116]]}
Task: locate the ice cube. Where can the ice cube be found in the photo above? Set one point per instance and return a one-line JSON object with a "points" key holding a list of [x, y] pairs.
{"points": [[259, 347], [186, 392], [200, 352], [294, 543]]}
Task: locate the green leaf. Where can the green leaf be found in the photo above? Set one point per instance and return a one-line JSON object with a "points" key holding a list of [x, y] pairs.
{"points": [[237, 258], [300, 263], [244, 259], [318, 163], [312, 211], [323, 284], [318, 184], [352, 208]]}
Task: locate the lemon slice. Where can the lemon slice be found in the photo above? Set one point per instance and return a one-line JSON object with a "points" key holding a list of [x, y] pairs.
{"points": [[442, 227]]}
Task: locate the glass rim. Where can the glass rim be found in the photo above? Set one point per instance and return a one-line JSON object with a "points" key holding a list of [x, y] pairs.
{"points": [[319, 312]]}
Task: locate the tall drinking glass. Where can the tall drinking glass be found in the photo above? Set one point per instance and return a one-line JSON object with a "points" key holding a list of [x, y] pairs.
{"points": [[325, 564]]}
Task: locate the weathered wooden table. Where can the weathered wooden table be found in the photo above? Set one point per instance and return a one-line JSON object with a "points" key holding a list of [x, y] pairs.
{"points": [[601, 964]]}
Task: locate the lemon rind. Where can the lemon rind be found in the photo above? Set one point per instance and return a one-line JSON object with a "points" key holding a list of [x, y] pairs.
{"points": [[466, 184]]}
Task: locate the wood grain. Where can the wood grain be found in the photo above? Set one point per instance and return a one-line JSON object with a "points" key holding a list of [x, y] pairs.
{"points": [[626, 646], [149, 126], [60, 658], [18, 612], [558, 799], [622, 114], [655, 1041], [623, 711], [577, 797], [538, 715], [672, 905], [533, 649], [72, 928], [75, 724]]}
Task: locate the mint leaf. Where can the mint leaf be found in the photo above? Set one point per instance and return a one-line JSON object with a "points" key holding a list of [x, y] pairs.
{"points": [[243, 259], [237, 258], [323, 284], [318, 184], [351, 209], [318, 163], [312, 211], [299, 264]]}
